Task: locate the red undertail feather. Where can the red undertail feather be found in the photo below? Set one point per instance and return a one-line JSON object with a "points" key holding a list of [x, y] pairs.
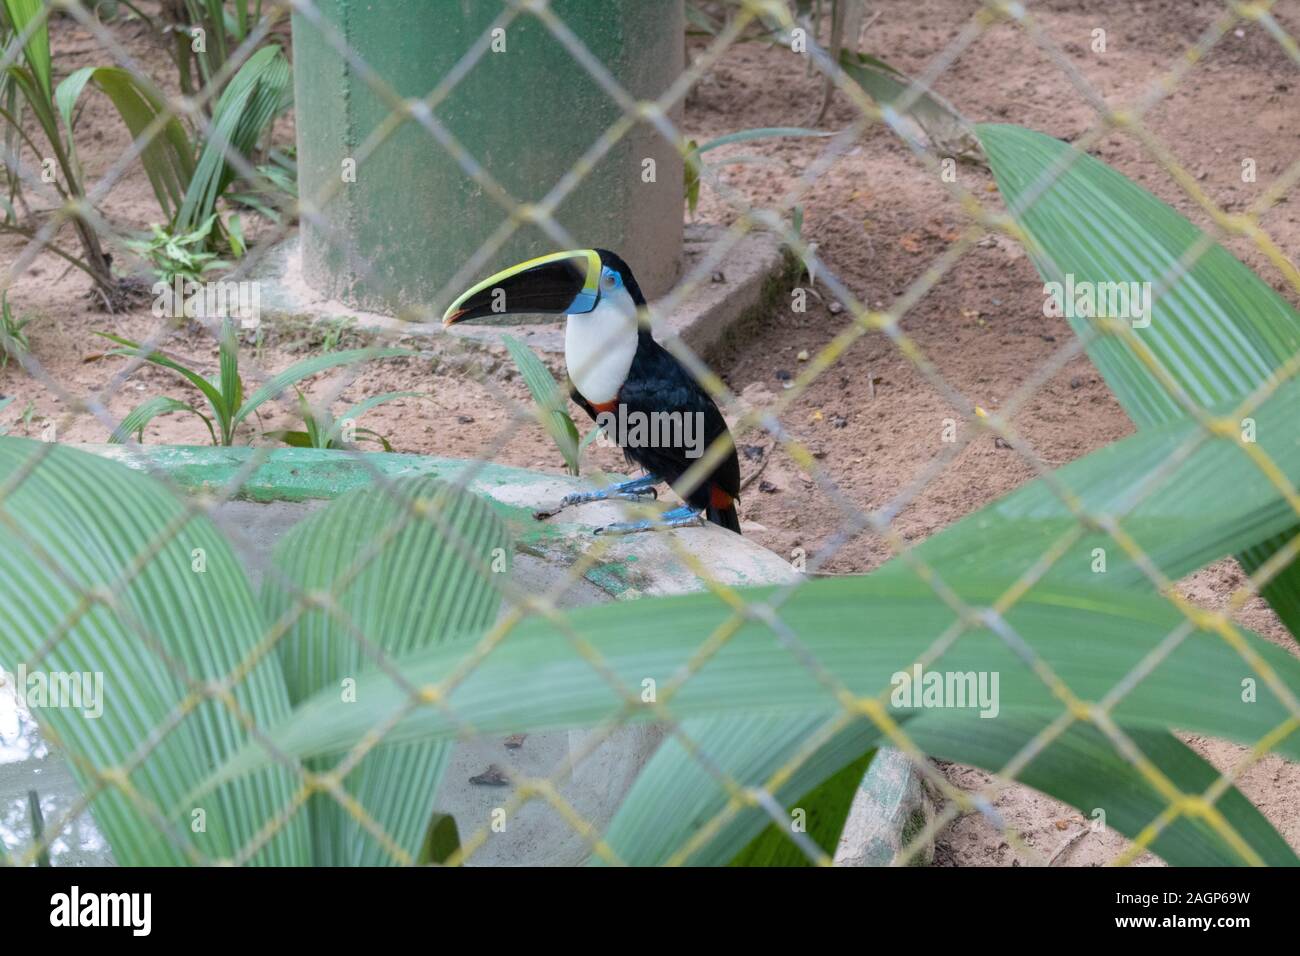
{"points": [[722, 509]]}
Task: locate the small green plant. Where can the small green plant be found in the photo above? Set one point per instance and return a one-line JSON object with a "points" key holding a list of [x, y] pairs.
{"points": [[189, 172], [334, 330], [28, 413], [30, 84], [323, 430], [550, 401], [13, 334], [190, 175], [224, 393], [172, 256]]}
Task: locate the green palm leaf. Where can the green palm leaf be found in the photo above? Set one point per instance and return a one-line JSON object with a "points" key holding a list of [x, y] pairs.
{"points": [[147, 411], [133, 349], [552, 406], [426, 587], [167, 158], [1218, 331], [1083, 770], [825, 810], [306, 368], [1092, 628], [534, 680], [248, 104], [22, 15], [73, 527]]}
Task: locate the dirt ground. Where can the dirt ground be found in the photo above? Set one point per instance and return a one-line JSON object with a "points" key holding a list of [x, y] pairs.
{"points": [[879, 221]]}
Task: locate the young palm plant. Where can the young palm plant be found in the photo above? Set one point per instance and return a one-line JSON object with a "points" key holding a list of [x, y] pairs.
{"points": [[228, 407], [13, 333], [206, 33], [31, 83], [322, 430], [188, 176]]}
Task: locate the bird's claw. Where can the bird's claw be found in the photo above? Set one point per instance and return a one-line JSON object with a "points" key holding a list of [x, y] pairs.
{"points": [[677, 518], [631, 490], [605, 494]]}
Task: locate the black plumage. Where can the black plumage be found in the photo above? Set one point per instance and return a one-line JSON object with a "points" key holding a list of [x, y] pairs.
{"points": [[657, 382]]}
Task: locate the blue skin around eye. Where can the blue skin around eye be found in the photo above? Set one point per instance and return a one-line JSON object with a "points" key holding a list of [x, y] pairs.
{"points": [[585, 301]]}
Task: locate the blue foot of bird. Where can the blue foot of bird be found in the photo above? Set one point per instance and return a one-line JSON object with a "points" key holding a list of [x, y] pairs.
{"points": [[683, 517], [634, 489]]}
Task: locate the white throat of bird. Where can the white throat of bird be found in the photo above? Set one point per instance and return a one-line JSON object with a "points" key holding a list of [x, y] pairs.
{"points": [[599, 347]]}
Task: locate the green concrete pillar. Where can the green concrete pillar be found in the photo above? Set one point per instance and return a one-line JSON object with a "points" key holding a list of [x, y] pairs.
{"points": [[526, 113]]}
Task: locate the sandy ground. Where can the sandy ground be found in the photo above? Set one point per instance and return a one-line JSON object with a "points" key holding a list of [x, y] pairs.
{"points": [[879, 221]]}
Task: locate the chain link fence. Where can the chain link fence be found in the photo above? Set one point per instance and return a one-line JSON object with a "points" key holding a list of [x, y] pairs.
{"points": [[777, 19]]}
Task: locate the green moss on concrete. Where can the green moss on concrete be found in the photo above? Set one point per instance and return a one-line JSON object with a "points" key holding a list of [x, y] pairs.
{"points": [[303, 474], [611, 578], [913, 826]]}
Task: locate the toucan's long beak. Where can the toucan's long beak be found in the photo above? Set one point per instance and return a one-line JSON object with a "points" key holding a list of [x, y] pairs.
{"points": [[563, 283]]}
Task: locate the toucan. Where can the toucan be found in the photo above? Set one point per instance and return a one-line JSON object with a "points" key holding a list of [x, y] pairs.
{"points": [[622, 378]]}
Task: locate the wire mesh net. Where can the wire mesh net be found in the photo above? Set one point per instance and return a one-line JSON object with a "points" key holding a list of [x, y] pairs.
{"points": [[807, 34]]}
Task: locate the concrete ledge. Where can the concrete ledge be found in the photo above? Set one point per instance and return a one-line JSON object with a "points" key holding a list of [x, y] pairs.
{"points": [[640, 564], [744, 284]]}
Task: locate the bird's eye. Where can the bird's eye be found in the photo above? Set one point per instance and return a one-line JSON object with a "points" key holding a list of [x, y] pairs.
{"points": [[608, 281]]}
